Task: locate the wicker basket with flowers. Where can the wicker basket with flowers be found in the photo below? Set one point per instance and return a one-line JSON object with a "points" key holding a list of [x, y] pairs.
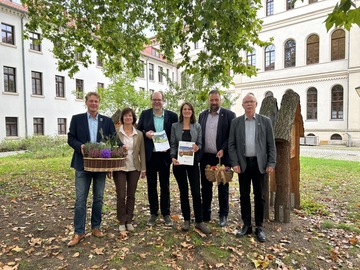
{"points": [[106, 156], [219, 173]]}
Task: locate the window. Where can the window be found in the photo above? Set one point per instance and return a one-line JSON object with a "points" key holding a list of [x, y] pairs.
{"points": [[100, 85], [36, 80], [270, 57], [311, 103], [61, 126], [160, 74], [79, 89], [78, 56], [338, 45], [34, 45], [38, 126], [7, 34], [337, 94], [290, 53], [312, 49], [141, 89], [154, 52], [290, 4], [151, 72], [60, 86], [173, 76], [11, 126], [336, 137], [269, 7], [99, 63], [251, 58], [9, 80], [167, 73], [142, 74], [152, 91], [196, 45], [312, 1]]}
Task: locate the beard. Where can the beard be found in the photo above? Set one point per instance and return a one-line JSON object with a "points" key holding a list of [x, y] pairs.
{"points": [[214, 108]]}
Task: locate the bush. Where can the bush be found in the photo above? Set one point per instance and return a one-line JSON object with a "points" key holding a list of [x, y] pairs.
{"points": [[38, 146]]}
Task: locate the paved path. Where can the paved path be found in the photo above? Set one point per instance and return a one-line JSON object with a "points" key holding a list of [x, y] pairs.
{"points": [[339, 152]]}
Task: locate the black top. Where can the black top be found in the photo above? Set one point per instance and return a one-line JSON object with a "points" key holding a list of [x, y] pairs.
{"points": [[186, 137]]}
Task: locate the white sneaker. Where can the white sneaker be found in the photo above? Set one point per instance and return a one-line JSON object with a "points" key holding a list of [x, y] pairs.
{"points": [[122, 228], [130, 227]]}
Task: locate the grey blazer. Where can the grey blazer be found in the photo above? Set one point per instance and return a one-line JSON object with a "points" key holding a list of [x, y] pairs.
{"points": [[176, 136], [264, 139]]}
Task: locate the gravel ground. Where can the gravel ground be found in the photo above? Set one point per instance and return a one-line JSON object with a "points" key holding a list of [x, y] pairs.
{"points": [[339, 152]]}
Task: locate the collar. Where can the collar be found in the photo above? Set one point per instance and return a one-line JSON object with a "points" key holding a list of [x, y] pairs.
{"points": [[163, 112], [254, 117], [123, 131], [90, 117], [218, 111]]}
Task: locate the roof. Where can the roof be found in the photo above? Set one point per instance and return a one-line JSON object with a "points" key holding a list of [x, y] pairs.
{"points": [[14, 5]]}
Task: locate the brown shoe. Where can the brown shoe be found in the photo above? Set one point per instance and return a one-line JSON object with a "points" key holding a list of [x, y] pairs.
{"points": [[97, 233], [76, 239]]}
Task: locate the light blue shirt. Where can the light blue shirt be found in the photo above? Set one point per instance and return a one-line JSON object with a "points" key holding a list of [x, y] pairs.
{"points": [[250, 126], [159, 122], [93, 127]]}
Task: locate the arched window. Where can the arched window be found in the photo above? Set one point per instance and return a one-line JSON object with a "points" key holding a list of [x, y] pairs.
{"points": [[337, 98], [338, 45], [312, 49], [251, 58], [311, 135], [270, 57], [311, 103], [336, 137], [290, 53], [269, 94]]}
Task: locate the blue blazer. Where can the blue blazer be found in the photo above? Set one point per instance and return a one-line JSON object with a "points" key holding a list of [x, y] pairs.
{"points": [[176, 136], [222, 133], [79, 134], [146, 123], [264, 140]]}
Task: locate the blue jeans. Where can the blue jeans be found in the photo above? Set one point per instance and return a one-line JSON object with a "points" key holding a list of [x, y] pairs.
{"points": [[82, 186]]}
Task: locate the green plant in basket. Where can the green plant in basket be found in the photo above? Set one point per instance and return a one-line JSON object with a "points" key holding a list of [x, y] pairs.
{"points": [[109, 147]]}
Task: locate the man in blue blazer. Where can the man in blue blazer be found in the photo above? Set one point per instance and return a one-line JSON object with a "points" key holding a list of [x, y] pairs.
{"points": [[215, 125], [84, 128], [153, 120], [252, 153]]}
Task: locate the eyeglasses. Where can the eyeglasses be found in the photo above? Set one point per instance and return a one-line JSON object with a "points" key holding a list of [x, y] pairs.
{"points": [[156, 100], [249, 101]]}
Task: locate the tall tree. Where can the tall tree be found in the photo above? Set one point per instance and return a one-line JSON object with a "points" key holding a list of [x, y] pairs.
{"points": [[195, 90], [121, 93], [115, 30]]}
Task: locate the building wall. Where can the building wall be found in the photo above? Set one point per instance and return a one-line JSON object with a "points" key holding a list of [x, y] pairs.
{"points": [[298, 24], [26, 106]]}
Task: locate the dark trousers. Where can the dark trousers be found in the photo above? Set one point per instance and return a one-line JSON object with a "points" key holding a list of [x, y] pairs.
{"points": [[126, 184], [206, 189], [252, 174], [154, 166], [182, 173]]}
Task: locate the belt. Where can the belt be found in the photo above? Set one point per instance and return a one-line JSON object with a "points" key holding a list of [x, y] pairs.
{"points": [[251, 158]]}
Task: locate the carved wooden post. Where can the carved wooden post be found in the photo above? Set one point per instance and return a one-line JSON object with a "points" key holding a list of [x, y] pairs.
{"points": [[269, 108], [287, 131]]}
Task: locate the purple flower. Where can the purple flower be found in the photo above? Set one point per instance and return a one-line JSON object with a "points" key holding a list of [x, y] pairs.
{"points": [[106, 153]]}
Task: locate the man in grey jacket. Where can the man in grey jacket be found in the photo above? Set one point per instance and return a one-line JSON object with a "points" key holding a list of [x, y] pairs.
{"points": [[252, 154]]}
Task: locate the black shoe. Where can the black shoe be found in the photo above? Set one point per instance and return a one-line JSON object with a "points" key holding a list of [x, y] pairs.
{"points": [[260, 234], [222, 221], [244, 231]]}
